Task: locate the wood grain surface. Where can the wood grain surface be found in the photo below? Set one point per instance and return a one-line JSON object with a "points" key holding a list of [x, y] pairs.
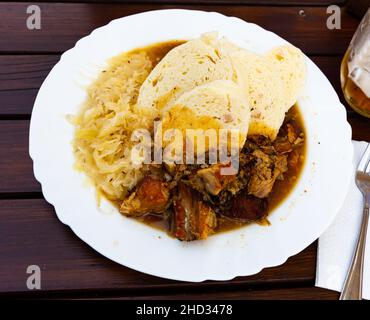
{"points": [[63, 24], [30, 232], [213, 2], [293, 293]]}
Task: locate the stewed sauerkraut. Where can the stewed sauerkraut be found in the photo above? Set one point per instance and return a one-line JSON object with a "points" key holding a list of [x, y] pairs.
{"points": [[105, 123]]}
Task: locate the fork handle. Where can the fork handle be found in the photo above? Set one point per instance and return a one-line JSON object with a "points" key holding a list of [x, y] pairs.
{"points": [[352, 289]]}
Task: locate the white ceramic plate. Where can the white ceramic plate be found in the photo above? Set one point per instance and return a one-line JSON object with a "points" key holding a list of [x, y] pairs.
{"points": [[296, 223]]}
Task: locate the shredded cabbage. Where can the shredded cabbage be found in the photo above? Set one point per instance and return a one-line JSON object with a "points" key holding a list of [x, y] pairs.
{"points": [[105, 122]]}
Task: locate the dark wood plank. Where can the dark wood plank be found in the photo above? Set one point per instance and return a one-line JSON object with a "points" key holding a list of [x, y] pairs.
{"points": [[213, 2], [22, 75], [16, 173], [20, 78], [24, 71], [305, 293], [30, 233], [64, 24], [358, 7], [360, 126], [309, 293], [15, 103]]}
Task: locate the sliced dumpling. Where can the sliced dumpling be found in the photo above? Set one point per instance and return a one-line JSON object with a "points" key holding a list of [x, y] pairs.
{"points": [[264, 89], [272, 83], [185, 67], [291, 66], [220, 104]]}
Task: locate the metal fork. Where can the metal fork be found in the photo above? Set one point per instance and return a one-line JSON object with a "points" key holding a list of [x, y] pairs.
{"points": [[352, 289]]}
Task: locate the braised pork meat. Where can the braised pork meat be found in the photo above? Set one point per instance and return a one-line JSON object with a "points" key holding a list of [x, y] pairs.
{"points": [[246, 208], [192, 218], [151, 196], [266, 169], [211, 180]]}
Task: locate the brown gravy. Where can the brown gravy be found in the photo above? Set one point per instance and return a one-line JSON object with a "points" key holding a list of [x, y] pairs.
{"points": [[157, 51], [282, 188]]}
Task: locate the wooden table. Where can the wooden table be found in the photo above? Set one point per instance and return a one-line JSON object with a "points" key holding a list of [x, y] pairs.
{"points": [[30, 232]]}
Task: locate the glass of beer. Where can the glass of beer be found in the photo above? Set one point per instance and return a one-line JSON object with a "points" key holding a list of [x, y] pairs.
{"points": [[355, 69]]}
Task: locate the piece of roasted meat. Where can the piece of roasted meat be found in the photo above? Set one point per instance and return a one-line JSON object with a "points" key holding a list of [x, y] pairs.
{"points": [[150, 196], [192, 218], [246, 208], [266, 169], [211, 179]]}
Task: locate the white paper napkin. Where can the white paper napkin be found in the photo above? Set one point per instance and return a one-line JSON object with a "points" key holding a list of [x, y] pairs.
{"points": [[337, 244]]}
